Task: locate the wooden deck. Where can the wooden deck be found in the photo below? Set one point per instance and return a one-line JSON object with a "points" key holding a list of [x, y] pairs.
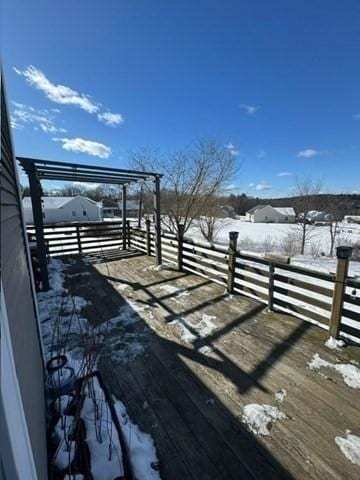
{"points": [[189, 395]]}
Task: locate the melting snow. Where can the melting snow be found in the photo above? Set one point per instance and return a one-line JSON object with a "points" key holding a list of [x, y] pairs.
{"points": [[140, 446], [334, 344], [350, 447], [260, 417], [191, 331], [176, 291], [281, 395], [349, 372]]}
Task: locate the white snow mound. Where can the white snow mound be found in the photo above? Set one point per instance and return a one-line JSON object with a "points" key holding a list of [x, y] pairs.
{"points": [[349, 372], [350, 447], [260, 417]]}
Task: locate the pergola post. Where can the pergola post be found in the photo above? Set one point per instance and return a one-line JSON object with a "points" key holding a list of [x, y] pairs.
{"points": [[35, 193], [157, 219], [140, 205], [124, 216]]}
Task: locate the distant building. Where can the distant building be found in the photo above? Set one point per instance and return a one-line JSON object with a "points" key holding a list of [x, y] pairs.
{"points": [[314, 216], [132, 209], [64, 209], [269, 214], [352, 219], [110, 208]]}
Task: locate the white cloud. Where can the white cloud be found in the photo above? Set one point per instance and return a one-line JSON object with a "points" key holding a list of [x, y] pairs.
{"points": [[65, 95], [284, 174], [310, 152], [111, 119], [356, 116], [232, 149], [81, 145], [263, 186], [251, 185], [249, 109], [56, 92], [22, 115]]}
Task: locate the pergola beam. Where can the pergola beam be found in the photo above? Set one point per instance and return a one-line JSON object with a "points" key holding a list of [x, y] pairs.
{"points": [[39, 162]]}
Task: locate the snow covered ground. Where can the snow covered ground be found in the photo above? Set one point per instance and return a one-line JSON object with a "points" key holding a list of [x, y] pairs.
{"points": [[65, 330], [262, 237]]}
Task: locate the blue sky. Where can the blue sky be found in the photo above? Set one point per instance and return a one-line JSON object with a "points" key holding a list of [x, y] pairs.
{"points": [[277, 81]]}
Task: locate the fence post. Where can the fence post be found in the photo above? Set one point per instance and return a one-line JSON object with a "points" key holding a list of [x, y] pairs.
{"points": [[343, 255], [180, 238], [233, 236], [128, 233], [78, 238], [148, 243], [271, 287]]}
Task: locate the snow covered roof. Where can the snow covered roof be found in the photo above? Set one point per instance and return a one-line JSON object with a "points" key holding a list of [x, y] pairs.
{"points": [[256, 208], [54, 202], [287, 211]]}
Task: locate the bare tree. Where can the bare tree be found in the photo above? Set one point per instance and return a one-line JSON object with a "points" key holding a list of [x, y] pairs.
{"points": [[306, 191], [211, 221], [193, 177], [336, 212]]}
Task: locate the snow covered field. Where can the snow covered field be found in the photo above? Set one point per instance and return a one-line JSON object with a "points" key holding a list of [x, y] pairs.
{"points": [[262, 237]]}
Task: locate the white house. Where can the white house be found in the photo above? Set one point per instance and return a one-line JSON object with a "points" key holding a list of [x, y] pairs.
{"points": [[314, 216], [269, 214], [352, 219], [64, 209]]}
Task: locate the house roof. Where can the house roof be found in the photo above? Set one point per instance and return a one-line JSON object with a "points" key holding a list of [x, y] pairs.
{"points": [[285, 210], [54, 202], [256, 208]]}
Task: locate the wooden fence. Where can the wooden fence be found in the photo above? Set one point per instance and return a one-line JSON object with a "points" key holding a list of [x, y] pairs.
{"points": [[302, 292], [73, 238], [307, 294]]}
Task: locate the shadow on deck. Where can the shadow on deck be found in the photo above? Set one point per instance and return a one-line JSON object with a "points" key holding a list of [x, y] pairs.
{"points": [[207, 355]]}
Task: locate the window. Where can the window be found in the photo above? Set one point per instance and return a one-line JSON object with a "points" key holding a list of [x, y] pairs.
{"points": [[43, 214], [84, 213], [286, 218], [73, 213]]}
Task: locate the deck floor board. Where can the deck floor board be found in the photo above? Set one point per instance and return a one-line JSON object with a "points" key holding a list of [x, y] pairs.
{"points": [[189, 395]]}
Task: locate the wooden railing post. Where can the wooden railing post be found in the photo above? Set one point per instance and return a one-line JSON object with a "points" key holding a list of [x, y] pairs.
{"points": [[180, 239], [233, 236], [343, 255], [78, 238], [148, 241], [271, 287], [128, 233]]}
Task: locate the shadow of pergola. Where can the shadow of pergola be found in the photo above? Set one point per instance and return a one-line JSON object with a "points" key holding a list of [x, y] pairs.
{"points": [[163, 377]]}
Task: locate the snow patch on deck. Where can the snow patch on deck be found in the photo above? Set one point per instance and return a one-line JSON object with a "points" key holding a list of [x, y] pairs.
{"points": [[350, 447], [192, 331], [349, 372], [259, 418], [334, 344]]}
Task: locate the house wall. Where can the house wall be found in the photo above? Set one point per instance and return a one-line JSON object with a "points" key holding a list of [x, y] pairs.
{"points": [[270, 215], [20, 303], [72, 211]]}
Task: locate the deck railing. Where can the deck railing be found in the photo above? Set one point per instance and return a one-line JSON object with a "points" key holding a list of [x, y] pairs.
{"points": [[73, 238], [305, 293]]}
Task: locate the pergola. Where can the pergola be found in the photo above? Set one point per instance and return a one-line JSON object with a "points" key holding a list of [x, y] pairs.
{"points": [[38, 170]]}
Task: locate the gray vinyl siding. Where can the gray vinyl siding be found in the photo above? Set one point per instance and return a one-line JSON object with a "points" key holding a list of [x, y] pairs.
{"points": [[19, 301]]}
